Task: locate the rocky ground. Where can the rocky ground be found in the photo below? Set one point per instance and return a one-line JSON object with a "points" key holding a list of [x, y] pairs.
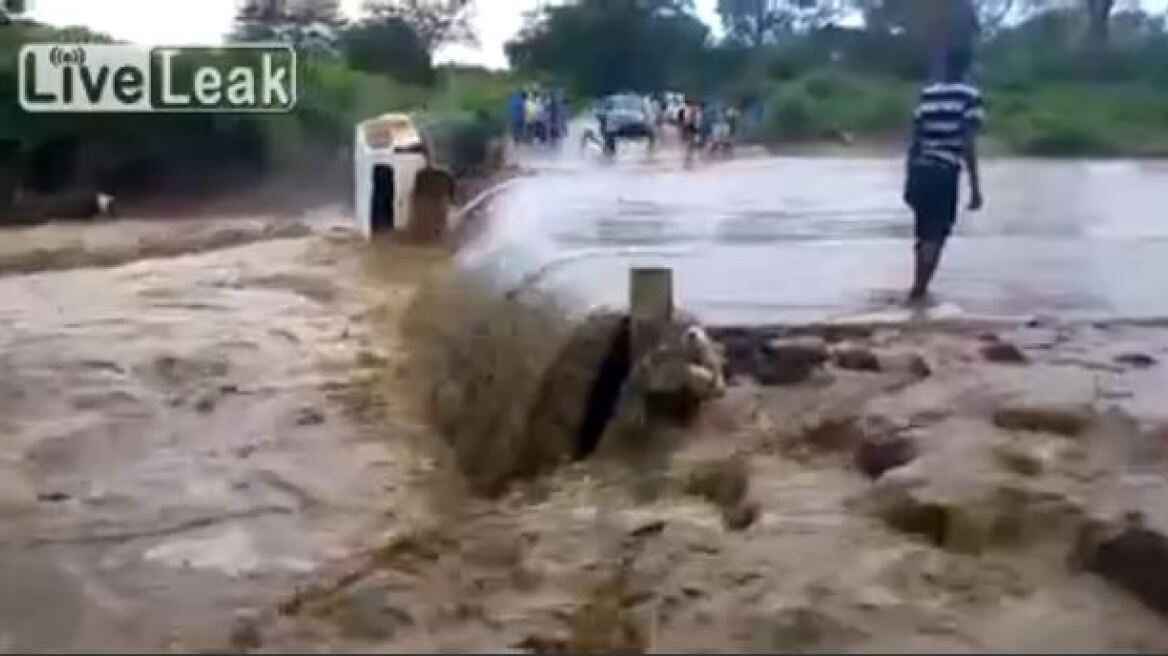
{"points": [[220, 450]]}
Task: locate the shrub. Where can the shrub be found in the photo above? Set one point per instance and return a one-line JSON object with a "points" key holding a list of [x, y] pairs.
{"points": [[1057, 135], [792, 114], [827, 84], [460, 140]]}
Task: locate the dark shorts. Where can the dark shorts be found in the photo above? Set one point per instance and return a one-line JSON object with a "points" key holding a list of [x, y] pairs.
{"points": [[931, 192]]}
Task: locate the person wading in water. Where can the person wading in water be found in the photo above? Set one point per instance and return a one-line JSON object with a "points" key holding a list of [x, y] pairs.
{"points": [[947, 120]]}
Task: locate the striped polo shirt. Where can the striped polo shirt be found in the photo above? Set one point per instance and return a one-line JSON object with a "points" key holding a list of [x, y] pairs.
{"points": [[945, 112]]}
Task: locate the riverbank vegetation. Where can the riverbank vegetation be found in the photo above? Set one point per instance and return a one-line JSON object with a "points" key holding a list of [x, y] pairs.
{"points": [[1062, 77], [348, 72]]}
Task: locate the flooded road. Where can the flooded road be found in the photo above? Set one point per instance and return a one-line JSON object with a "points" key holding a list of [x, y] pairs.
{"points": [[800, 239]]}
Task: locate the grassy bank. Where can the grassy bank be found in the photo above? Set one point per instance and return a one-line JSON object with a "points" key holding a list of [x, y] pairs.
{"points": [[1066, 119]]}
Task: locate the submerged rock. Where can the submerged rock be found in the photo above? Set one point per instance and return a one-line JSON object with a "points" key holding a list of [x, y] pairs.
{"points": [[741, 516], [856, 358], [877, 454], [1003, 353], [1069, 420], [309, 416], [900, 500], [789, 361], [1136, 360], [1129, 554]]}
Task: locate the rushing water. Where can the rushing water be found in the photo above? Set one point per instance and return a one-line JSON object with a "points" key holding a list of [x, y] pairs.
{"points": [[793, 239], [185, 437]]}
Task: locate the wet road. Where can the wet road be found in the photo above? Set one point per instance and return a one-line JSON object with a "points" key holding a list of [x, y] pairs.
{"points": [[776, 240]]}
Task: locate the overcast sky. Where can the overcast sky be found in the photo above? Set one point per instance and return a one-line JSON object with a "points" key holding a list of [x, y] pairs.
{"points": [[180, 22]]}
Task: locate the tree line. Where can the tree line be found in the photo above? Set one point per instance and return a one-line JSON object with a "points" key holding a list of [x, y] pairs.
{"points": [[604, 45], [395, 38], [1063, 77]]}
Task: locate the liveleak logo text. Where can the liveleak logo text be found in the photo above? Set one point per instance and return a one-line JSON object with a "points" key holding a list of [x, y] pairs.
{"points": [[74, 77]]}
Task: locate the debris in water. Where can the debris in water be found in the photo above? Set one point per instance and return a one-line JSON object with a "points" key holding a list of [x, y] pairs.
{"points": [[1136, 360], [309, 416]]}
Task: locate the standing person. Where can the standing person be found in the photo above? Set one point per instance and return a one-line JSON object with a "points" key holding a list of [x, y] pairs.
{"points": [[945, 128], [515, 108], [707, 115], [531, 111], [557, 116], [733, 117], [691, 119], [657, 101]]}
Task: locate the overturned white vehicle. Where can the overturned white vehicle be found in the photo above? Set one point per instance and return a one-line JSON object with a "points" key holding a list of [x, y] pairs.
{"points": [[395, 186]]}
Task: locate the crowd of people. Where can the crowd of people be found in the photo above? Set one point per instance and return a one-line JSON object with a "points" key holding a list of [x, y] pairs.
{"points": [[709, 126], [538, 116]]}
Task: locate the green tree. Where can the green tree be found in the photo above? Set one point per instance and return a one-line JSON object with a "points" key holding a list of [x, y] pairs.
{"points": [[309, 25], [604, 46], [388, 46], [933, 21], [436, 22], [757, 22], [1098, 21]]}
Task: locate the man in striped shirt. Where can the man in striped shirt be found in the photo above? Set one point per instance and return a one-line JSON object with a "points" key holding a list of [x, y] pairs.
{"points": [[945, 129]]}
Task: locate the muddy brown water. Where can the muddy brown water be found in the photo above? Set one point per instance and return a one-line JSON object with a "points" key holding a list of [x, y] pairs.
{"points": [[186, 435], [194, 440]]}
